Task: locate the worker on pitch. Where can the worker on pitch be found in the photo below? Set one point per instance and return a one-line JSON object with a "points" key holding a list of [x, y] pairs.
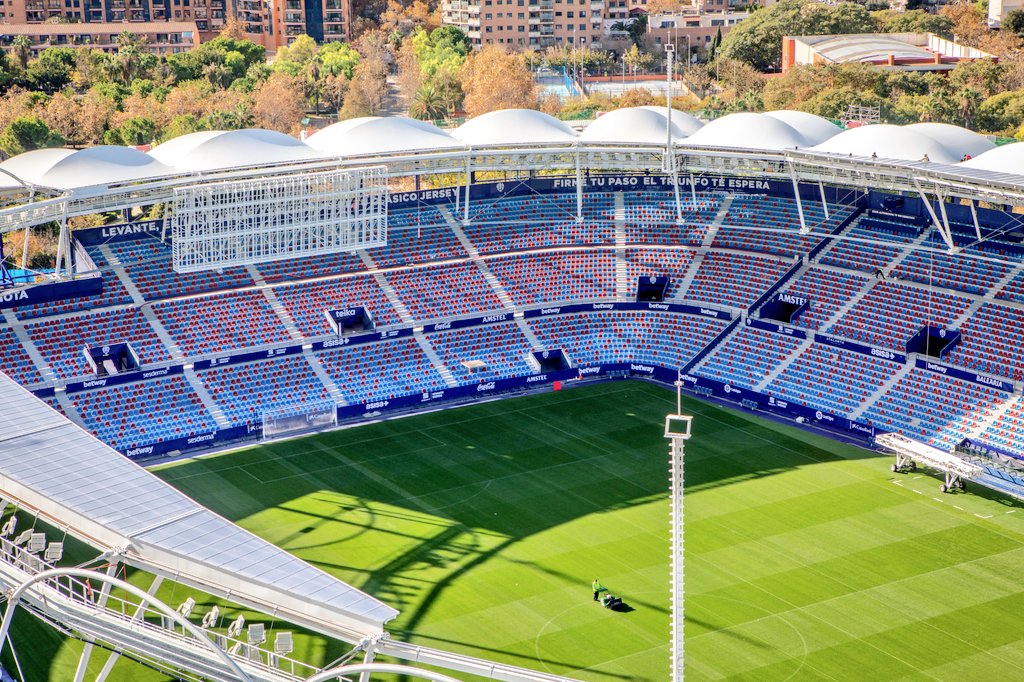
{"points": [[598, 589]]}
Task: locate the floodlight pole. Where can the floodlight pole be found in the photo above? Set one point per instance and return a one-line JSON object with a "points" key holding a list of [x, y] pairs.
{"points": [[677, 430], [670, 157]]}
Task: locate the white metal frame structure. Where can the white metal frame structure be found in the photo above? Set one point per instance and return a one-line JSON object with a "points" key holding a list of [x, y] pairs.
{"points": [[256, 220], [910, 452], [677, 430]]}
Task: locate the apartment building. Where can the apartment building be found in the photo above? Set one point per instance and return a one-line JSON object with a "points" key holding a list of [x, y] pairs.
{"points": [[272, 23], [165, 37]]}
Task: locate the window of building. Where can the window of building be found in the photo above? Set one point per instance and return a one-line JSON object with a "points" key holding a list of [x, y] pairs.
{"points": [[570, 14]]}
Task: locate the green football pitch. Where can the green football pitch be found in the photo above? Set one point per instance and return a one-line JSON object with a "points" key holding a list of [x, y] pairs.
{"points": [[485, 524]]}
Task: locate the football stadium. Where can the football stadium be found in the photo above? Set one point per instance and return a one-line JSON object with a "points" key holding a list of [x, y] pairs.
{"points": [[397, 402]]}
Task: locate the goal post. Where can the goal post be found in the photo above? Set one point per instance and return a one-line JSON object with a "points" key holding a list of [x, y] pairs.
{"points": [[299, 418]]}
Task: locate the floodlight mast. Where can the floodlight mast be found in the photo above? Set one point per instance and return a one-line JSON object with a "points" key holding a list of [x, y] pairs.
{"points": [[669, 165], [677, 430]]}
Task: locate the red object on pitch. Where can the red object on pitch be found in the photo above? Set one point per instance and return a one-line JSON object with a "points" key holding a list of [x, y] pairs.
{"points": [[557, 385]]}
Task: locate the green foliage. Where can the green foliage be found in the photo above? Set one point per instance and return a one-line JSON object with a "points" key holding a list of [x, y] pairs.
{"points": [[112, 91], [912, 21], [190, 65], [1013, 22], [758, 39], [338, 59], [52, 70], [1001, 113], [26, 133], [135, 131]]}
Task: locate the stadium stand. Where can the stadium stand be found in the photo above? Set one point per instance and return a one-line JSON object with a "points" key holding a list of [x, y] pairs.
{"points": [[553, 277], [148, 263], [14, 360], [61, 341], [650, 218], [746, 357], [735, 280], [524, 241], [892, 312], [1006, 430], [328, 265], [444, 291], [381, 371], [113, 294], [246, 391], [417, 237], [307, 301], [654, 262], [826, 291], [501, 347], [131, 415], [933, 408], [539, 222], [831, 379], [235, 320], [992, 341]]}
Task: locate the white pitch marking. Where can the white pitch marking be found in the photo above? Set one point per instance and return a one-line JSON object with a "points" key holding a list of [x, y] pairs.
{"points": [[917, 477], [983, 517], [937, 500], [900, 483], [1011, 511], [918, 492], [956, 507]]}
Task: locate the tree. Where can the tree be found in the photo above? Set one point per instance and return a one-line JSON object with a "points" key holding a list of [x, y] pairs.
{"points": [[21, 48], [135, 131], [428, 105], [63, 114], [968, 21], [294, 57], [279, 103], [1013, 22], [53, 69], [758, 39], [6, 72], [496, 79], [983, 75], [338, 59], [365, 96], [912, 21], [26, 133], [232, 29]]}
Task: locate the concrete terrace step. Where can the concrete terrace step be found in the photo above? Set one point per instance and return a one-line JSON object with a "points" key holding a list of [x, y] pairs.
{"points": [[69, 407], [30, 347], [698, 258], [622, 291], [325, 378], [496, 286], [435, 359], [282, 313], [389, 291], [161, 332], [204, 395]]}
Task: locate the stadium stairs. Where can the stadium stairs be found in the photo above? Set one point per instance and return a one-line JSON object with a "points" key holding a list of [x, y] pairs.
{"points": [[332, 388], [709, 238], [883, 389]]}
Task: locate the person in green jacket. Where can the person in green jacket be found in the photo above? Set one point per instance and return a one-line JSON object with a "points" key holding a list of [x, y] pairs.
{"points": [[598, 589]]}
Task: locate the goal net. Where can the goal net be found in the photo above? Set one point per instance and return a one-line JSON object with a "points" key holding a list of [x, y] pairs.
{"points": [[297, 418]]}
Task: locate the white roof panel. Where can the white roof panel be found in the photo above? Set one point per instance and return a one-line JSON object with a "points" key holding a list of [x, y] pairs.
{"points": [[213, 150], [957, 141], [1009, 158], [814, 129], [72, 169], [48, 463], [513, 126], [380, 135], [889, 142], [748, 130], [633, 125]]}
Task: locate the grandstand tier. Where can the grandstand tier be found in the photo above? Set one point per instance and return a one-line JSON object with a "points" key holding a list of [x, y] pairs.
{"points": [[870, 287]]}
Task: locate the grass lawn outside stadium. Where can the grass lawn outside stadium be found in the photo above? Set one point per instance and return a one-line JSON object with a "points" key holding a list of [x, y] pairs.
{"points": [[484, 525]]}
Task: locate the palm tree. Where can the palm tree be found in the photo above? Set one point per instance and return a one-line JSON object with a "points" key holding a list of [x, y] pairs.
{"points": [[22, 50], [428, 104]]}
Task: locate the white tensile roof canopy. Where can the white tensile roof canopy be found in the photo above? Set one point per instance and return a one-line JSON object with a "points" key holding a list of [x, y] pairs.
{"points": [[51, 465], [93, 169]]}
